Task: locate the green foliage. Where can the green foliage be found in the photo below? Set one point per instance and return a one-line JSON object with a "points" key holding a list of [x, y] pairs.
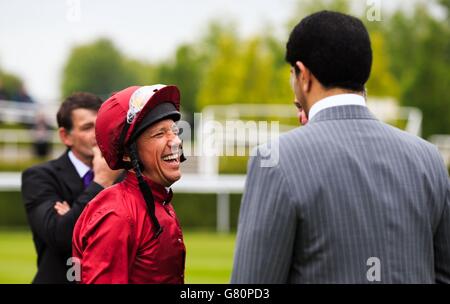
{"points": [[233, 164], [185, 71], [18, 166], [382, 81], [98, 68], [12, 126], [411, 58], [307, 7], [419, 46], [197, 211], [411, 63], [246, 72], [12, 210], [10, 83], [143, 73]]}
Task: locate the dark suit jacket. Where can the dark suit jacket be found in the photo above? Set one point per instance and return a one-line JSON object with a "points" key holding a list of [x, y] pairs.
{"points": [[42, 186]]}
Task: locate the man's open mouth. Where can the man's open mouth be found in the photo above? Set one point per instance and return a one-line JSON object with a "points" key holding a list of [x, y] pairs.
{"points": [[173, 157]]}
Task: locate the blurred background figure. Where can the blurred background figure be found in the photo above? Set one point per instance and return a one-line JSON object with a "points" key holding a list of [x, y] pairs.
{"points": [[42, 136], [3, 94], [22, 95]]}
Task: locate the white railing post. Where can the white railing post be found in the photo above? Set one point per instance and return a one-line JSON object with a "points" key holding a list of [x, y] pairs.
{"points": [[223, 212], [414, 121], [208, 162]]}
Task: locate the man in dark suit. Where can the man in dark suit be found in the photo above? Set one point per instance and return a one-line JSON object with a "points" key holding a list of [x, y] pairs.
{"points": [[55, 193], [351, 199]]}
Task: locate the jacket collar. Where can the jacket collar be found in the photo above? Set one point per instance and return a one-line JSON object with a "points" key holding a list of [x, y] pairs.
{"points": [[160, 194], [343, 112], [68, 173], [336, 101]]}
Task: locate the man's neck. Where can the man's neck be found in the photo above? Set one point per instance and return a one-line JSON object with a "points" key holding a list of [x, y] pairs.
{"points": [[87, 162]]}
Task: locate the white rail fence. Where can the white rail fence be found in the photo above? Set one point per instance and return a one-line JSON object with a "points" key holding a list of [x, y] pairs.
{"points": [[442, 142], [222, 185], [204, 174]]}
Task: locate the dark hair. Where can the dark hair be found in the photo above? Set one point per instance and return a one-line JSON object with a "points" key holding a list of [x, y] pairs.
{"points": [[78, 100], [335, 47]]}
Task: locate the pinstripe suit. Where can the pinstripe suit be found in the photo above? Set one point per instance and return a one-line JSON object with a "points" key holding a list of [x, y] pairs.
{"points": [[347, 187]]}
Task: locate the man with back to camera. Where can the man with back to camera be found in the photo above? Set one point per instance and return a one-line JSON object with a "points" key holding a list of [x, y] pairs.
{"points": [[55, 193], [351, 200]]}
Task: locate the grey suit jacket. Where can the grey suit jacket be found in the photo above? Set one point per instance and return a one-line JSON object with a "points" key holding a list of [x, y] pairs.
{"points": [[351, 200]]}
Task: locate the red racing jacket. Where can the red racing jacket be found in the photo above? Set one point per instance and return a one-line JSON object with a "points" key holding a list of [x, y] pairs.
{"points": [[114, 240]]}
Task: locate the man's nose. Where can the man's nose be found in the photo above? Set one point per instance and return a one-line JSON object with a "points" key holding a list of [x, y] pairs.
{"points": [[93, 138], [175, 141]]}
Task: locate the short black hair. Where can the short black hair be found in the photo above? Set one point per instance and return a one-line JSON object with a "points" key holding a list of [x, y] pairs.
{"points": [[78, 100], [335, 47]]}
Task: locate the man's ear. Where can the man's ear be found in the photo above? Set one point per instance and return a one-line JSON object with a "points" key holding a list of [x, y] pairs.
{"points": [[304, 75], [65, 137]]}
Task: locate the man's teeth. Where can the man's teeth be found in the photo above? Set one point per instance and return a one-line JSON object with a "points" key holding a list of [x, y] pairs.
{"points": [[170, 157]]}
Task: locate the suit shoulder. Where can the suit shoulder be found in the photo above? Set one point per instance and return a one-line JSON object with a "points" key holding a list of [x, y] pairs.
{"points": [[40, 169], [302, 132], [410, 140], [50, 166]]}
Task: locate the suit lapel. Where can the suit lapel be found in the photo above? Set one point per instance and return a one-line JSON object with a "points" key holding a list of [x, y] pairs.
{"points": [[69, 175]]}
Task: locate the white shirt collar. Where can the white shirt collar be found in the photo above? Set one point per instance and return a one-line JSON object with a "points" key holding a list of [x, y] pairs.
{"points": [[81, 167], [334, 101]]}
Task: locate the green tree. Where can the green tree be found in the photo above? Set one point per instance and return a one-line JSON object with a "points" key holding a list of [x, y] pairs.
{"points": [[98, 68], [420, 58], [185, 71], [248, 70], [382, 82], [143, 73], [222, 73], [306, 7], [10, 83]]}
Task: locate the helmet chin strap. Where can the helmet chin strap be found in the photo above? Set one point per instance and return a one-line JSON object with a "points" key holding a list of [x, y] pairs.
{"points": [[182, 157], [145, 189]]}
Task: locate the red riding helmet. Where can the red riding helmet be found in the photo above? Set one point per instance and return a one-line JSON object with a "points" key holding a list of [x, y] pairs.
{"points": [[127, 113]]}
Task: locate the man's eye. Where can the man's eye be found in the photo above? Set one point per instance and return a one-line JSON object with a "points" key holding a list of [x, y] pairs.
{"points": [[176, 130]]}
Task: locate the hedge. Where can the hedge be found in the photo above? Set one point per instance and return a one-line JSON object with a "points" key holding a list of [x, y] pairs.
{"points": [[193, 210]]}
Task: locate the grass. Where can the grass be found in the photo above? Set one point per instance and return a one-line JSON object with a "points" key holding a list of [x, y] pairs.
{"points": [[17, 257], [209, 257]]}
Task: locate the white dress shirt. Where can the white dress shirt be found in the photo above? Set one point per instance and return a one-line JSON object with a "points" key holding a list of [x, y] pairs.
{"points": [[81, 167], [336, 101]]}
